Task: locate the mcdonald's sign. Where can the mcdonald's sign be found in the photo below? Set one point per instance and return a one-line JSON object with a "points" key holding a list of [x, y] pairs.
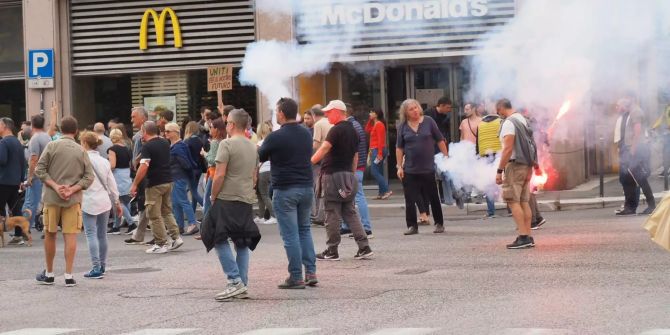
{"points": [[159, 24]]}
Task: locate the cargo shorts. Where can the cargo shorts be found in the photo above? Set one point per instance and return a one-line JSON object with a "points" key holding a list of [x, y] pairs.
{"points": [[69, 218], [516, 182]]}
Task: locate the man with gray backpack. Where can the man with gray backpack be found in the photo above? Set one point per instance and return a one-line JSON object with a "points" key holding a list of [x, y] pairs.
{"points": [[518, 158]]}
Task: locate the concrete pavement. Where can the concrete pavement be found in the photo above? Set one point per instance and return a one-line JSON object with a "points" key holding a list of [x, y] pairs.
{"points": [[591, 273]]}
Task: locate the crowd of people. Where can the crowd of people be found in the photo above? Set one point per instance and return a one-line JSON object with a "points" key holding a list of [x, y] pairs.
{"points": [[166, 173]]}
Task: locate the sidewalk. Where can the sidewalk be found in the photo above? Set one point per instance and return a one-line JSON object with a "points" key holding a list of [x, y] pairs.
{"points": [[584, 196]]}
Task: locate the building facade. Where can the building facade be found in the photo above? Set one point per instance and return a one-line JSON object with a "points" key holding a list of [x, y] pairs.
{"points": [[112, 55]]}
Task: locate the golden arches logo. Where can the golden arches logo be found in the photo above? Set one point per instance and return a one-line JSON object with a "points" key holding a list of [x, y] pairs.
{"points": [[159, 24]]}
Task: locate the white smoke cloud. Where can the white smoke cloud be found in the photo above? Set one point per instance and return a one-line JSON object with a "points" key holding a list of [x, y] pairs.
{"points": [[468, 169]]}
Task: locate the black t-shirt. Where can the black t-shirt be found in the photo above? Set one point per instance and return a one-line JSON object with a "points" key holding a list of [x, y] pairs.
{"points": [[157, 151], [123, 156], [344, 139]]}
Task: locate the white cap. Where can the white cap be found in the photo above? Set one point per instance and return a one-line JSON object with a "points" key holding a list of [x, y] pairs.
{"points": [[335, 104]]}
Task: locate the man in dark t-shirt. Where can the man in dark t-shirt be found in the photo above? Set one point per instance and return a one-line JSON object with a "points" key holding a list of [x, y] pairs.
{"points": [[339, 153], [155, 166], [441, 113]]}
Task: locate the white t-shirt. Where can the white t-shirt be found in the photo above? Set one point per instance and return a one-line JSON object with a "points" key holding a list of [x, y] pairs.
{"points": [[265, 166], [507, 128]]}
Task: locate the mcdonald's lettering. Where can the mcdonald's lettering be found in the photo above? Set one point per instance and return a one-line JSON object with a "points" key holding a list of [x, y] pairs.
{"points": [[159, 24]]}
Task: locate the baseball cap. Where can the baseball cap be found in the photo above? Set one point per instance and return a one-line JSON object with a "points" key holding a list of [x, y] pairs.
{"points": [[335, 104]]}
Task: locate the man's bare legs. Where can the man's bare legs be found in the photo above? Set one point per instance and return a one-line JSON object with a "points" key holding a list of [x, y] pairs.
{"points": [[522, 215], [70, 251], [50, 250]]}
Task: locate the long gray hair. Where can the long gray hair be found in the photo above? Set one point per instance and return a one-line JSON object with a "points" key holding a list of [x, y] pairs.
{"points": [[404, 108]]}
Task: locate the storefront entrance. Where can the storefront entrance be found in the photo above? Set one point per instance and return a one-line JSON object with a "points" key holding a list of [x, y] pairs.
{"points": [[427, 84]]}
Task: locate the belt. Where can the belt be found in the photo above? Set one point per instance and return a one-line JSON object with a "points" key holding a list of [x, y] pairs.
{"points": [[512, 160]]}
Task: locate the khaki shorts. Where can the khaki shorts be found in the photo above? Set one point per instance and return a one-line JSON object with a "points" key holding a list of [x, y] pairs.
{"points": [[516, 182], [69, 218]]}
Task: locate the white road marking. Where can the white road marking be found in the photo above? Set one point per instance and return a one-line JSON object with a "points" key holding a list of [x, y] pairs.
{"points": [[405, 331], [40, 331], [282, 331], [657, 332], [163, 331], [536, 331]]}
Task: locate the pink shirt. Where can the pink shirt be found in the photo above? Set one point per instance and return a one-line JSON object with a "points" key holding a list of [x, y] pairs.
{"points": [[469, 129]]}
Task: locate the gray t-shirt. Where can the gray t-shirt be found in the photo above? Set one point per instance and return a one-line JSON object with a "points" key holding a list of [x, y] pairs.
{"points": [[104, 148], [37, 144], [241, 157], [419, 146]]}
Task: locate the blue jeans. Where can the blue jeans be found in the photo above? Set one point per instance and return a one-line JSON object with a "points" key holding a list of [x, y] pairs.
{"points": [[361, 205], [207, 203], [293, 207], [490, 205], [377, 170], [125, 204], [236, 268], [180, 204], [193, 187], [32, 199], [95, 227]]}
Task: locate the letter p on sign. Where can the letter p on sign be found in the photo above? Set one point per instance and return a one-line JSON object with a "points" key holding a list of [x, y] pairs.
{"points": [[40, 68], [41, 63]]}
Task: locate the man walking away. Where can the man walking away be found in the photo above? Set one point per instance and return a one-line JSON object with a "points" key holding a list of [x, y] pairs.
{"points": [[289, 150], [338, 185], [38, 142], [231, 215], [361, 202], [488, 146], [139, 116], [633, 172], [65, 169], [321, 129], [12, 168], [518, 157], [155, 166], [99, 128]]}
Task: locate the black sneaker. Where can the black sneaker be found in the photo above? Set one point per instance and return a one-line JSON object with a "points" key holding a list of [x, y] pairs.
{"points": [[521, 243], [70, 282], [648, 211], [367, 232], [532, 241], [114, 231], [344, 231], [310, 279], [626, 212], [131, 228], [537, 224], [328, 255], [132, 241], [42, 279], [291, 284], [364, 253], [152, 242], [412, 230]]}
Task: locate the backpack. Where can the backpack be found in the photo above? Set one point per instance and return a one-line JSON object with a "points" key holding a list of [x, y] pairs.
{"points": [[524, 143]]}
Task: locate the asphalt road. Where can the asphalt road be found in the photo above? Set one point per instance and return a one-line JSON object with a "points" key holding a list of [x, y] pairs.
{"points": [[591, 273]]}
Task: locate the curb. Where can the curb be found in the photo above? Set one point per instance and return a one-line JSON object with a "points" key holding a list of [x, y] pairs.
{"points": [[398, 209]]}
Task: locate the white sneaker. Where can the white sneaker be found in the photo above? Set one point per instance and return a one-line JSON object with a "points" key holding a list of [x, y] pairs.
{"points": [[176, 244], [258, 220], [232, 290], [157, 249], [271, 220]]}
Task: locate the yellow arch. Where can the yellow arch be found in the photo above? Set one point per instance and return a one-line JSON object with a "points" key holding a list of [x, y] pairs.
{"points": [[159, 24]]}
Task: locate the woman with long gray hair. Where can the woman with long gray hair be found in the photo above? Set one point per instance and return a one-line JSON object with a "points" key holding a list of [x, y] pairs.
{"points": [[418, 135]]}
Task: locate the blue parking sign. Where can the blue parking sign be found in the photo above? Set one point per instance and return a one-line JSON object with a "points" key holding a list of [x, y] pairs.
{"points": [[41, 63], [41, 68]]}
